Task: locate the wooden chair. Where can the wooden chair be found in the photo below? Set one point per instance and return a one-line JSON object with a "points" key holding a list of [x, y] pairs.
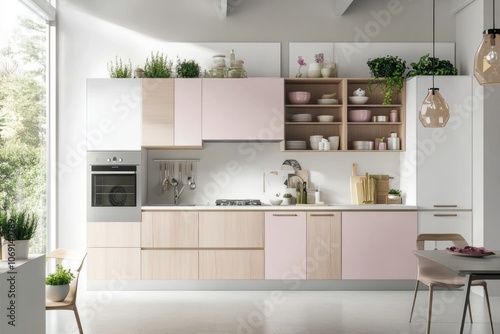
{"points": [[77, 257], [432, 274]]}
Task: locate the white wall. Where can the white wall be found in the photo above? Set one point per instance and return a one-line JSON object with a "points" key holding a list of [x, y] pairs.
{"points": [[91, 33]]}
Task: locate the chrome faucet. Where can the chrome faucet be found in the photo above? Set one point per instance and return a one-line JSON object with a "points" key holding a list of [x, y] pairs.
{"points": [[177, 192]]}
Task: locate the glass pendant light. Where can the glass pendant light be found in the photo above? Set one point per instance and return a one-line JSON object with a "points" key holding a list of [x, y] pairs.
{"points": [[434, 112], [487, 59]]}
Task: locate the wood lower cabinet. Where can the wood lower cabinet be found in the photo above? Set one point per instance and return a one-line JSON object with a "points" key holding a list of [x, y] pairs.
{"points": [[231, 229], [231, 264], [169, 264], [114, 263], [285, 245], [324, 245], [113, 250], [169, 229], [379, 245]]}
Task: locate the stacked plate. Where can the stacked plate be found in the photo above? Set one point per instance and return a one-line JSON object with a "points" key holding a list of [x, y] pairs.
{"points": [[301, 118], [295, 144], [362, 145]]}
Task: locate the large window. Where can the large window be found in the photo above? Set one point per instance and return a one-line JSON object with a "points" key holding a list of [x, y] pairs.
{"points": [[24, 114]]}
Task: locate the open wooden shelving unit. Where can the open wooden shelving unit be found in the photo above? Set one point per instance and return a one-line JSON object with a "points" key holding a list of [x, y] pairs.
{"points": [[347, 131]]}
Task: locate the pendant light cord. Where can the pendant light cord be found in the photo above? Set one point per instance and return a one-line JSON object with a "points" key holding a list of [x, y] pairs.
{"points": [[434, 39], [494, 15]]}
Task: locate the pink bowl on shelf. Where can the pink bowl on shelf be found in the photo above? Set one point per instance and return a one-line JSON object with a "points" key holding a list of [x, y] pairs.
{"points": [[359, 115], [299, 97]]}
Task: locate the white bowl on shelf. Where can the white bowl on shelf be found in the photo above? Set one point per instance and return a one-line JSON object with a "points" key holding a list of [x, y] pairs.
{"points": [[358, 99], [275, 201], [325, 118]]}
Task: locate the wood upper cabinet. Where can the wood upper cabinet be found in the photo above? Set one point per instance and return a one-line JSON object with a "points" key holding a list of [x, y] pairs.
{"points": [[231, 229], [285, 247], [169, 229], [114, 114], [243, 109], [379, 245], [187, 115], [157, 112], [324, 245]]}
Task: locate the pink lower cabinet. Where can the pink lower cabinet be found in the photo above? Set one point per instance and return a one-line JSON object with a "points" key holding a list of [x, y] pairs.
{"points": [[285, 245], [379, 245]]}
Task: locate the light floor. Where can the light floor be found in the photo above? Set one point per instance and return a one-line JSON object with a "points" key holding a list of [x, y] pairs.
{"points": [[266, 312]]}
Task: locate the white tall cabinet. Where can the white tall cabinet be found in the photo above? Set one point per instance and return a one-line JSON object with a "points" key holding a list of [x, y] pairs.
{"points": [[436, 169]]}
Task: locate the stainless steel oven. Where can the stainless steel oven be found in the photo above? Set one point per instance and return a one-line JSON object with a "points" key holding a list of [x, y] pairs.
{"points": [[114, 190]]}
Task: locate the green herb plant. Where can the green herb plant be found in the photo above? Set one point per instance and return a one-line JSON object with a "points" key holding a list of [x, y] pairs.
{"points": [[388, 73], [120, 70], [287, 195], [23, 228], [396, 192], [424, 67], [187, 69], [60, 277], [158, 67]]}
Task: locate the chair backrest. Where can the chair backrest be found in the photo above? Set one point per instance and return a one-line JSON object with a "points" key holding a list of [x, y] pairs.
{"points": [[78, 257], [457, 239]]}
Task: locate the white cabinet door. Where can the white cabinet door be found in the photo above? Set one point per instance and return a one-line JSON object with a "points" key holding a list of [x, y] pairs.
{"points": [[443, 155], [445, 222], [243, 109], [114, 114], [285, 245]]}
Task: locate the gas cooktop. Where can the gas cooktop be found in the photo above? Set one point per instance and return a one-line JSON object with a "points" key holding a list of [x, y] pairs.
{"points": [[226, 202]]}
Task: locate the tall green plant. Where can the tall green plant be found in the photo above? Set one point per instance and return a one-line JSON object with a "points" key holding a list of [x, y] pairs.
{"points": [[158, 67], [388, 72], [120, 70], [24, 227]]}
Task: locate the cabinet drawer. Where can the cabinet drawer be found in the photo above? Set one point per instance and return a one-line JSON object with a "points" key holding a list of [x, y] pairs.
{"points": [[445, 222], [114, 234], [114, 263], [231, 264], [231, 229], [169, 264], [173, 229]]}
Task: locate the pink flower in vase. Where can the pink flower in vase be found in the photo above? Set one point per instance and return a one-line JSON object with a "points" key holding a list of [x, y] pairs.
{"points": [[319, 58], [301, 63]]}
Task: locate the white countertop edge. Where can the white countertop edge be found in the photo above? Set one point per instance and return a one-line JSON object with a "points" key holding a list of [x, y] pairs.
{"points": [[312, 207]]}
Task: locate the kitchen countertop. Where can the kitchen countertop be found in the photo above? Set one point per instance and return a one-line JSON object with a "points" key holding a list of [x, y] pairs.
{"points": [[300, 207]]}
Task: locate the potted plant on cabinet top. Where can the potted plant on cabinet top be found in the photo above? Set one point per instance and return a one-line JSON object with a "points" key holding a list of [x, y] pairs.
{"points": [[158, 66], [16, 230], [119, 70], [187, 69], [388, 73], [287, 199], [57, 284], [424, 67]]}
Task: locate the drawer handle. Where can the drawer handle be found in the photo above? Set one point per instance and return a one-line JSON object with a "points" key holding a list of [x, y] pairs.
{"points": [[445, 206], [322, 215], [285, 215], [445, 215]]}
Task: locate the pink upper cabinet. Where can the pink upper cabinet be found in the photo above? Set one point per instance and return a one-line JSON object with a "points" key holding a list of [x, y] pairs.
{"points": [[243, 109], [187, 112]]}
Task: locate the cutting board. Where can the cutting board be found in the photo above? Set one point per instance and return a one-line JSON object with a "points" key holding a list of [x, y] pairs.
{"points": [[356, 190]]}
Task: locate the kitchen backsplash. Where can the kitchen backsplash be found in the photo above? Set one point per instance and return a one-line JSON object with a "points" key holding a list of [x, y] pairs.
{"points": [[236, 170]]}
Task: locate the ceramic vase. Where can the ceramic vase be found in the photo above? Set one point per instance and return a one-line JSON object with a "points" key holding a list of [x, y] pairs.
{"points": [[326, 72], [314, 70], [21, 249]]}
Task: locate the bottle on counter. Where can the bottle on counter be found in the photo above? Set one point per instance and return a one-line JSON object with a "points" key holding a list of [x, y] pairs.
{"points": [[304, 193], [317, 196], [299, 193]]}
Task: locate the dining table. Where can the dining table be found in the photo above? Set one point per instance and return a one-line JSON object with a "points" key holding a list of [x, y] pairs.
{"points": [[471, 266]]}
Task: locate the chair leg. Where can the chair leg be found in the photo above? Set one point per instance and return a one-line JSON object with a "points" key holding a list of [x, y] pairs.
{"points": [[489, 309], [470, 312], [78, 320], [429, 309], [414, 298]]}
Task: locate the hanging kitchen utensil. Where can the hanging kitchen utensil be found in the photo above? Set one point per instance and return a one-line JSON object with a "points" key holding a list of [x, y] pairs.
{"points": [[166, 181], [192, 185]]}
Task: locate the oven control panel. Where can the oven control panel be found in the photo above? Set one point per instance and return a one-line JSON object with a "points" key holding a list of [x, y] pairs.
{"points": [[113, 158]]}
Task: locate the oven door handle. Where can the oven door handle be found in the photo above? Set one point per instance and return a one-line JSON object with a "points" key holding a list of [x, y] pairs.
{"points": [[116, 172]]}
